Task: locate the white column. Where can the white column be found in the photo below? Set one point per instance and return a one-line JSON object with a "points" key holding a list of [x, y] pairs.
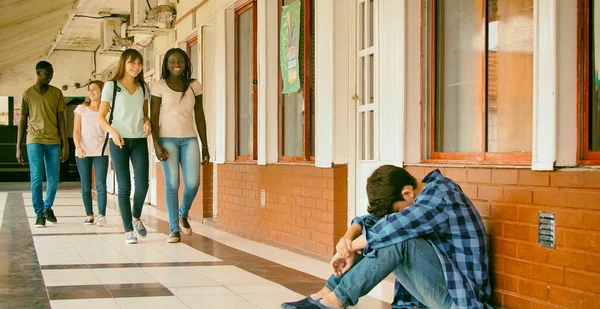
{"points": [[392, 82], [324, 92], [220, 87], [544, 85]]}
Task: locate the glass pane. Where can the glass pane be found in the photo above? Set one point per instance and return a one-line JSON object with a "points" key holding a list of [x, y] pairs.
{"points": [[361, 136], [361, 81], [194, 56], [371, 22], [594, 94], [371, 79], [293, 124], [245, 96], [371, 132], [459, 80], [361, 26], [312, 80], [510, 75]]}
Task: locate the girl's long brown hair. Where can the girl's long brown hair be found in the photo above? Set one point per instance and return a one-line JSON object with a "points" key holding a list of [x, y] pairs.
{"points": [[100, 85], [130, 54]]}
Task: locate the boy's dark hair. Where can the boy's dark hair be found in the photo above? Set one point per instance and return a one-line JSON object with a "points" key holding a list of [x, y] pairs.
{"points": [[384, 188], [42, 65]]}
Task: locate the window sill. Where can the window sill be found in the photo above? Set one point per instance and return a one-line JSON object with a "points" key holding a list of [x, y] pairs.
{"points": [[445, 163]]}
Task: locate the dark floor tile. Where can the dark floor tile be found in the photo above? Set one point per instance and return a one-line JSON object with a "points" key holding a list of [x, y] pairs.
{"points": [[24, 301], [78, 292]]}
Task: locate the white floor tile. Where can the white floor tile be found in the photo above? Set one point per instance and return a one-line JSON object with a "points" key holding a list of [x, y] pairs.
{"points": [[217, 302], [182, 252], [272, 300], [122, 275], [93, 303], [197, 291], [230, 275], [62, 277], [272, 288], [159, 302], [56, 250], [172, 277]]}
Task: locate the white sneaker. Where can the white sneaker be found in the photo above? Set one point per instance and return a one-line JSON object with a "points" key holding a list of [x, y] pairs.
{"points": [[131, 238], [101, 221]]}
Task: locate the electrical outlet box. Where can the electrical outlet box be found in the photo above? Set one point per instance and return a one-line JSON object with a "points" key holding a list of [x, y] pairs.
{"points": [[263, 197]]}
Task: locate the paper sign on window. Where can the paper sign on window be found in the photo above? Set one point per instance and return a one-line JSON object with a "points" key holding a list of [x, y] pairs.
{"points": [[288, 47]]}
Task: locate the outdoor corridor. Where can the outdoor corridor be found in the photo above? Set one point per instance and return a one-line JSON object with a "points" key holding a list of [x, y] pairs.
{"points": [[72, 265]]}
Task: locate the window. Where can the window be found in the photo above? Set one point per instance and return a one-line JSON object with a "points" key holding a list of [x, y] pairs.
{"points": [[246, 95], [192, 51], [482, 80], [297, 110], [589, 131]]}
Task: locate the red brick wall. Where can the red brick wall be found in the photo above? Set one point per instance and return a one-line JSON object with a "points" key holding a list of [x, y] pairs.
{"points": [[524, 274], [202, 205], [306, 207]]}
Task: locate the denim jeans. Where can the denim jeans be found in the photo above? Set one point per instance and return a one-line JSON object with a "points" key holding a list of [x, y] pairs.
{"points": [[414, 263], [184, 152], [85, 174], [39, 156], [136, 150]]}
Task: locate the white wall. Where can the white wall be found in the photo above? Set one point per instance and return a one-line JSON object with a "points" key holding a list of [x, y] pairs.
{"points": [[69, 68]]}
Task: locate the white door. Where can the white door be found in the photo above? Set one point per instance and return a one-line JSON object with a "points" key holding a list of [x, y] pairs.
{"points": [[366, 99]]}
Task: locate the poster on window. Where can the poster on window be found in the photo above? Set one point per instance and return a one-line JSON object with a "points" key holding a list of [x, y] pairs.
{"points": [[596, 35], [288, 47]]}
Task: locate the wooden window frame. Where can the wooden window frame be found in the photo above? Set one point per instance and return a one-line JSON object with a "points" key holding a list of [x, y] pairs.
{"points": [[306, 7], [482, 157], [191, 42], [584, 155], [238, 11]]}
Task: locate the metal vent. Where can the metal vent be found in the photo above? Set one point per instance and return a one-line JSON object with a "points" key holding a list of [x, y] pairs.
{"points": [[546, 230]]}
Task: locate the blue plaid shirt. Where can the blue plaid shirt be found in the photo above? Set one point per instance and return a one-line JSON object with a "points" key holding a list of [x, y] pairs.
{"points": [[444, 216]]}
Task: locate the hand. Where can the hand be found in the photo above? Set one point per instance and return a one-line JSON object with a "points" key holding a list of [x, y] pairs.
{"points": [[344, 247], [64, 154], [205, 156], [80, 153], [147, 128], [117, 139], [341, 264], [20, 156], [161, 153], [112, 167]]}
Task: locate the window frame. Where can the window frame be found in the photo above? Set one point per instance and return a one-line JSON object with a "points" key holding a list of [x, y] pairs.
{"points": [[584, 155], [481, 157], [308, 49], [238, 11]]}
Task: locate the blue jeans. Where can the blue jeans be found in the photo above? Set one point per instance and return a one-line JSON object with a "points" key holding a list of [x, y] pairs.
{"points": [[39, 156], [184, 152], [414, 263], [136, 150], [85, 174]]}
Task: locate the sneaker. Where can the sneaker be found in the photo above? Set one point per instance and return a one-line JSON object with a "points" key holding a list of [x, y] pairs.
{"points": [[307, 302], [101, 221], [185, 226], [174, 237], [50, 215], [40, 222], [89, 221], [130, 238], [139, 228]]}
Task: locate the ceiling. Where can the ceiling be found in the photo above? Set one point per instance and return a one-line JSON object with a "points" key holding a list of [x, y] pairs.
{"points": [[30, 28]]}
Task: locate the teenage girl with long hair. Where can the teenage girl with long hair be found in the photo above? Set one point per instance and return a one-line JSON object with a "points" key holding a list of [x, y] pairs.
{"points": [[177, 113], [126, 96], [89, 136]]}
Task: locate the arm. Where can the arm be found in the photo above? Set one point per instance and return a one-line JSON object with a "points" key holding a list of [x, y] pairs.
{"points": [[21, 136], [424, 217], [159, 151], [201, 126], [147, 124], [62, 127], [77, 135]]}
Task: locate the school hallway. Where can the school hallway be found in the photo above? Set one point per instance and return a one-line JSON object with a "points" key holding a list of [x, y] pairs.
{"points": [[72, 265]]}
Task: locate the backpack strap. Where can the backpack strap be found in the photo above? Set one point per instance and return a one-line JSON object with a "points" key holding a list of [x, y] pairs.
{"points": [[110, 117]]}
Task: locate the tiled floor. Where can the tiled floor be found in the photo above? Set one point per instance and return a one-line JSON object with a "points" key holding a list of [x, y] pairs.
{"points": [[72, 265]]}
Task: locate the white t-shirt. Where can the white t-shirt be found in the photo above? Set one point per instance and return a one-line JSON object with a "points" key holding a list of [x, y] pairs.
{"points": [[176, 113], [92, 135]]}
